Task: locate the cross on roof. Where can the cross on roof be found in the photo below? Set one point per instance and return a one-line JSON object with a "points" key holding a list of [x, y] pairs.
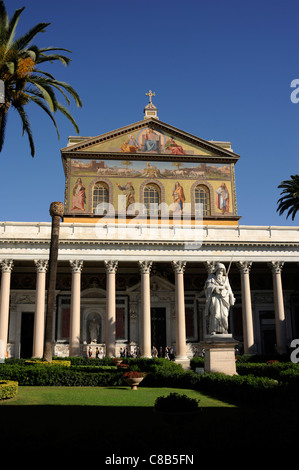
{"points": [[150, 94]]}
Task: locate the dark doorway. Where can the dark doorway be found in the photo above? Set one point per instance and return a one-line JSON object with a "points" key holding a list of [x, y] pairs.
{"points": [[268, 333], [269, 340], [27, 335], [158, 323]]}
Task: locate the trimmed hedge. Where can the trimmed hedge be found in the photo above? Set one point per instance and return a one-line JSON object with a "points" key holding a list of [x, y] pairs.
{"points": [[8, 389], [40, 375], [46, 363], [256, 384], [271, 370]]}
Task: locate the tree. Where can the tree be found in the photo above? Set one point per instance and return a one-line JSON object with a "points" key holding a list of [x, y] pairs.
{"points": [[24, 82], [56, 212], [290, 197]]}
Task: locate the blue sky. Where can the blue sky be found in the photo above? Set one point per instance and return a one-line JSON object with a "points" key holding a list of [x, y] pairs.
{"points": [[221, 70]]}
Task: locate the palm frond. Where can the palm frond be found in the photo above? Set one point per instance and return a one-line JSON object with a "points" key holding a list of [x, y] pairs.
{"points": [[4, 20], [24, 41], [51, 58], [289, 200], [12, 27], [26, 127], [67, 114], [24, 81], [69, 89], [47, 74], [2, 129], [40, 103], [45, 89]]}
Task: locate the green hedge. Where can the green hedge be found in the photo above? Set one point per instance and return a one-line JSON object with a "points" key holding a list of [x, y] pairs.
{"points": [[8, 389], [271, 370], [39, 375], [255, 384]]}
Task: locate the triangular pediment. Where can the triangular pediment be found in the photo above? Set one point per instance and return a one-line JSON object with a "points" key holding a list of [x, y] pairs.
{"points": [[158, 283], [149, 137]]}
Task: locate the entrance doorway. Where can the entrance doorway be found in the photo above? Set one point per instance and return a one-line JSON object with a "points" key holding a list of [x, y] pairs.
{"points": [[158, 328], [269, 340], [268, 333], [27, 335]]}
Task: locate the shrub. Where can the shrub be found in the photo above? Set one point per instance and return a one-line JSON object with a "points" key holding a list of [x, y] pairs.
{"points": [[271, 369], [48, 363], [175, 402], [197, 362], [8, 389], [246, 389]]}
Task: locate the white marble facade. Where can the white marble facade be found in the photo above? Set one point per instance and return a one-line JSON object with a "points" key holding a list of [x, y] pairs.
{"points": [[25, 246]]}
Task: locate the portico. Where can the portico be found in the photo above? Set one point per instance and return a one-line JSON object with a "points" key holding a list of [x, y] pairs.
{"points": [[120, 293]]}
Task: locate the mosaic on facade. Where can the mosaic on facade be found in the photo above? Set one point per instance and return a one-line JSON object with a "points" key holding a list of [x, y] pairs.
{"points": [[175, 181], [148, 140]]}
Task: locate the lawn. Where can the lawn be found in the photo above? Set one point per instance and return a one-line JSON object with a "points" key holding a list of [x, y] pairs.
{"points": [[119, 421], [100, 396]]}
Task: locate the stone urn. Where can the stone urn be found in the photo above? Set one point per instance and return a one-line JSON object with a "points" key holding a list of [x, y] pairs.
{"points": [[133, 379], [117, 361]]}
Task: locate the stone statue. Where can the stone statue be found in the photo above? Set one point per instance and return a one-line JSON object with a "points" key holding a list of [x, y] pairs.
{"points": [[219, 298], [94, 329]]}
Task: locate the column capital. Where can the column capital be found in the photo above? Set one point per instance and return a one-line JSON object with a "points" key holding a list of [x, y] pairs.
{"points": [[6, 265], [145, 266], [276, 266], [41, 265], [244, 266], [111, 266], [179, 266], [76, 265]]}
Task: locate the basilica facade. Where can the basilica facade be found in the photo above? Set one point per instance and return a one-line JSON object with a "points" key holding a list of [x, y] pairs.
{"points": [[149, 210]]}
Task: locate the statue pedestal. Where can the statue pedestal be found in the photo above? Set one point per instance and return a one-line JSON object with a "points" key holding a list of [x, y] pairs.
{"points": [[220, 354]]}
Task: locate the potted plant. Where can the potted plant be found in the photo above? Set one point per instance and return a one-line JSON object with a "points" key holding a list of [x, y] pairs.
{"points": [[133, 378], [176, 407], [117, 360]]}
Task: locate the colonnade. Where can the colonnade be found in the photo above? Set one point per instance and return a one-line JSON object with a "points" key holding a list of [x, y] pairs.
{"points": [[145, 340]]}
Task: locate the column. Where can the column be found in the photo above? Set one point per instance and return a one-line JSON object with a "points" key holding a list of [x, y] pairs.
{"points": [[39, 315], [111, 268], [74, 340], [281, 343], [244, 268], [179, 268], [145, 346], [6, 268]]}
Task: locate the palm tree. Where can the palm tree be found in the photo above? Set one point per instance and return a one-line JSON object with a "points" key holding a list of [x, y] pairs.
{"points": [[290, 196], [23, 80]]}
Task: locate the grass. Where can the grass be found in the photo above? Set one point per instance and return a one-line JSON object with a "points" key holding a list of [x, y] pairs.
{"points": [[117, 420], [99, 396]]}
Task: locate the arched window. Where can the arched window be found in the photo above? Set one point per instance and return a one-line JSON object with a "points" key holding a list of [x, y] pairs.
{"points": [[202, 201], [100, 195], [151, 198]]}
